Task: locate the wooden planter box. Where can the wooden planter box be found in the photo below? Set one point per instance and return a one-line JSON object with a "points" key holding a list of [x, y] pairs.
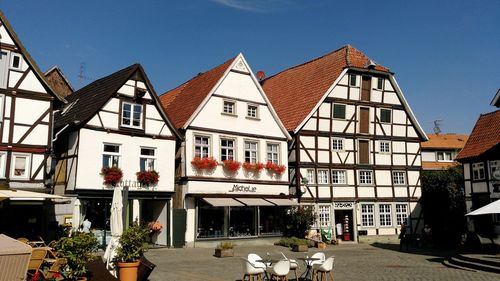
{"points": [[300, 248], [224, 253]]}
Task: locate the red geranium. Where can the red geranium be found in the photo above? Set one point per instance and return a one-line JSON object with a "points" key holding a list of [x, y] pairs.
{"points": [[253, 167], [112, 175], [276, 168], [231, 165], [204, 163], [148, 178]]}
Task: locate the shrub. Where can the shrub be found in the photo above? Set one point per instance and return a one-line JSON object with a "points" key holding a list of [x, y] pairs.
{"points": [[298, 220], [292, 241], [78, 250], [225, 246], [132, 243]]}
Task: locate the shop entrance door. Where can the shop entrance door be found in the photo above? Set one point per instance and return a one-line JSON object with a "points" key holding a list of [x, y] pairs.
{"points": [[179, 227], [344, 225]]}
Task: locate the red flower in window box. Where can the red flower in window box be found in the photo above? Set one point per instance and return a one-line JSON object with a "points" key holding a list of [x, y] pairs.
{"points": [[253, 167], [276, 168], [112, 175], [207, 163], [231, 165], [148, 178]]}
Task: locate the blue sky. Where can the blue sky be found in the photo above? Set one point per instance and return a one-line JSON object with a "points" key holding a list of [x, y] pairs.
{"points": [[445, 54]]}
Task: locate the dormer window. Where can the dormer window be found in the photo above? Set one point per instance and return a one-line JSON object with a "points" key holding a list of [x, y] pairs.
{"points": [[131, 115]]}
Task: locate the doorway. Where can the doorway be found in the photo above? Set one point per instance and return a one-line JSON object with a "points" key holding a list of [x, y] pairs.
{"points": [[346, 227]]}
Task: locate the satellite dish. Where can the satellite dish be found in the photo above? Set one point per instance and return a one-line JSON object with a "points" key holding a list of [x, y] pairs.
{"points": [[260, 75]]}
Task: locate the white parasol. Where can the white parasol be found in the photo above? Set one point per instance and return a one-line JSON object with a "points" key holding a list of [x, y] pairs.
{"points": [[76, 220], [116, 223], [492, 208]]}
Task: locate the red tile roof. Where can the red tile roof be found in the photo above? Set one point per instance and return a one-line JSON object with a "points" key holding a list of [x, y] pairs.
{"points": [[438, 165], [484, 136], [294, 92], [181, 102], [450, 141]]}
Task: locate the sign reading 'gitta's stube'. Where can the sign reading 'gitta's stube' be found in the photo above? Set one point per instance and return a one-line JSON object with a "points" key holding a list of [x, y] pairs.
{"points": [[243, 188]]}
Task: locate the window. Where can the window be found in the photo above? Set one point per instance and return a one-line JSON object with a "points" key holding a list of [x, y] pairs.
{"points": [[324, 215], [385, 147], [367, 215], [385, 115], [310, 176], [339, 177], [1, 107], [380, 83], [3, 156], [201, 146], [229, 107], [15, 61], [443, 156], [226, 149], [478, 171], [252, 111], [494, 167], [273, 153], [401, 214], [339, 111], [147, 159], [250, 152], [398, 178], [384, 211], [337, 144], [132, 115], [365, 177], [353, 80], [322, 176], [21, 163], [111, 155]]}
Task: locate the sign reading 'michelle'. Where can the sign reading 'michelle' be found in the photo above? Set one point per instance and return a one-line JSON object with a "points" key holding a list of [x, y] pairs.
{"points": [[243, 188]]}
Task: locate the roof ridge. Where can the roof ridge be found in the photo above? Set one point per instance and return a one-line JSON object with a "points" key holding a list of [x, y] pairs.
{"points": [[128, 68], [347, 60], [488, 113]]}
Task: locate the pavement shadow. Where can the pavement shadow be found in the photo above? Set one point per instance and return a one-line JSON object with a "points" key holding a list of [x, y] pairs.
{"points": [[411, 249]]}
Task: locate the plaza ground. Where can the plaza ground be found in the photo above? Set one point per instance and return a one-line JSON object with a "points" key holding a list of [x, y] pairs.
{"points": [[374, 261]]}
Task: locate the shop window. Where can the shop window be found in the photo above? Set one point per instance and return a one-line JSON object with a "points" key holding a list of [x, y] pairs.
{"points": [[273, 153], [111, 155], [210, 221], [226, 149], [385, 214], [323, 176], [401, 214], [251, 152], [339, 177], [271, 220], [3, 156], [385, 115], [324, 215], [367, 216], [21, 164], [252, 111], [478, 171], [229, 107], [337, 144], [398, 178], [385, 147], [147, 160], [365, 177], [131, 115], [339, 111], [242, 221], [310, 176], [444, 156], [201, 146]]}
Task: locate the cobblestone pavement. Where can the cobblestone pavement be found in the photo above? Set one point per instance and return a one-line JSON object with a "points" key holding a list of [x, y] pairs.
{"points": [[352, 262]]}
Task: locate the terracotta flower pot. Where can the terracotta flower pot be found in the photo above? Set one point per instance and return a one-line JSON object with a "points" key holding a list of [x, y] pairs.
{"points": [[127, 271], [81, 279]]}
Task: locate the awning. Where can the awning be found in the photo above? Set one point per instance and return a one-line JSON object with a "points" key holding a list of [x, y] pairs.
{"points": [[492, 208], [255, 202], [282, 202], [222, 202], [22, 195]]}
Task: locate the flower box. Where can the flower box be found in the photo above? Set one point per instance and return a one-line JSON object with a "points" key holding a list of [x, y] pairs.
{"points": [[275, 168], [253, 167], [300, 248], [224, 253], [231, 165], [148, 178], [206, 163], [112, 175]]}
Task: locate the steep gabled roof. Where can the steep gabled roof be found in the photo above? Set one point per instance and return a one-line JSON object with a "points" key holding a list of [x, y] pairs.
{"points": [[445, 141], [28, 57], [86, 102], [182, 101], [484, 136], [56, 79]]}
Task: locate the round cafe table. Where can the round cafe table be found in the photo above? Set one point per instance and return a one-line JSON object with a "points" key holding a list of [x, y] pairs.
{"points": [[267, 263], [307, 275]]}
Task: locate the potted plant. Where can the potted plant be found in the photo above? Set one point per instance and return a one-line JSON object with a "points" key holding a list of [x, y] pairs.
{"points": [[224, 249], [231, 165], [205, 163], [275, 168], [147, 178], [154, 228], [112, 175], [131, 247], [78, 250], [253, 167], [300, 245]]}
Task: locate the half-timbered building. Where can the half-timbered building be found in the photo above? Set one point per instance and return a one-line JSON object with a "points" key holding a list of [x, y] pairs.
{"points": [[232, 167], [355, 153], [440, 151], [27, 104], [117, 122]]}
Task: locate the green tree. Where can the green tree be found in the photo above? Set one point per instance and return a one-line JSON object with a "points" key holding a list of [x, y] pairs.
{"points": [[298, 220], [443, 204]]}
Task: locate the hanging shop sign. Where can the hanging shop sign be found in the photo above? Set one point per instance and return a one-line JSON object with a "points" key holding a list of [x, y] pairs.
{"points": [[343, 205]]}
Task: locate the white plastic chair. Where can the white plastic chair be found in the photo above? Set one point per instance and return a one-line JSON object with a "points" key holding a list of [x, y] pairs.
{"points": [[319, 255], [323, 269], [293, 265], [253, 258], [279, 270], [250, 271]]}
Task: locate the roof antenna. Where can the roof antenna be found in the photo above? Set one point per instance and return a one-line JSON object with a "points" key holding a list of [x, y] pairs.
{"points": [[436, 128], [81, 76]]}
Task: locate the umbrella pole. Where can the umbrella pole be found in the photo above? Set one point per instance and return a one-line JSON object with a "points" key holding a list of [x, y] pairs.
{"points": [[125, 206]]}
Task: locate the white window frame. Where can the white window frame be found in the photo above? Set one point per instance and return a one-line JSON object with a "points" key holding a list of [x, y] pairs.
{"points": [[3, 157], [378, 80], [201, 145], [132, 107], [385, 122], [356, 84], [367, 215], [324, 215], [323, 176], [147, 158], [2, 100], [27, 170], [363, 177], [225, 149], [384, 147], [401, 213], [11, 63], [478, 171], [311, 176], [398, 178], [112, 154], [385, 215], [251, 151], [444, 153], [339, 177], [336, 142], [225, 109], [275, 155], [251, 116]]}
